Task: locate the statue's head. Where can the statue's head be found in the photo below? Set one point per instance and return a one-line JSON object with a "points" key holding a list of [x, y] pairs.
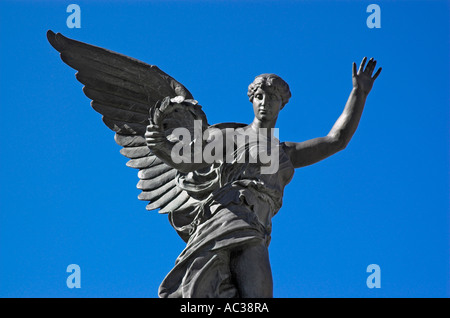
{"points": [[271, 84]]}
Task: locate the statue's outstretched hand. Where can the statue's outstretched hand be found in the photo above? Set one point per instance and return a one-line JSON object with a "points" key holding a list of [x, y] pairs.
{"points": [[362, 79]]}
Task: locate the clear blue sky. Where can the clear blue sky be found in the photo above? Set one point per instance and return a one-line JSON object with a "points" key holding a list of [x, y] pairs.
{"points": [[67, 197]]}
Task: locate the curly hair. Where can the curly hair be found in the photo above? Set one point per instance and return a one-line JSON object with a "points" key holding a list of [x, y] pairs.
{"points": [[271, 83]]}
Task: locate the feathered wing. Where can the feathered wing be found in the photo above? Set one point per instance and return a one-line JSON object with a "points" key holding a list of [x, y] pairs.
{"points": [[125, 91]]}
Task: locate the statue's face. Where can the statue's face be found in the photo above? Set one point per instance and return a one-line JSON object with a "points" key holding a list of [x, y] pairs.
{"points": [[265, 105]]}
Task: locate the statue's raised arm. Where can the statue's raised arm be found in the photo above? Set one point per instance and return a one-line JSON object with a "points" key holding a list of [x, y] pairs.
{"points": [[313, 150]]}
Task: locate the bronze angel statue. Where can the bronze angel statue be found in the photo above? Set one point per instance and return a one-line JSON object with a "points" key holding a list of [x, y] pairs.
{"points": [[221, 205]]}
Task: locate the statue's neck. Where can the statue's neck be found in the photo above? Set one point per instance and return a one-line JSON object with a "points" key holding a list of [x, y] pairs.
{"points": [[268, 124]]}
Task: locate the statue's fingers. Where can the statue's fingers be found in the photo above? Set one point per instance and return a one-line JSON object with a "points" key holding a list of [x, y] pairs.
{"points": [[361, 67], [163, 108], [369, 65], [372, 67], [152, 144], [152, 127], [354, 71], [164, 105], [377, 73], [158, 117], [153, 134], [154, 140]]}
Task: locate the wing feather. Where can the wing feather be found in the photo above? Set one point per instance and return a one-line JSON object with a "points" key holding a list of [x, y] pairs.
{"points": [[165, 199], [123, 127], [120, 114], [130, 141], [145, 162], [153, 194], [149, 184], [181, 198], [112, 87], [115, 101], [153, 172], [135, 152]]}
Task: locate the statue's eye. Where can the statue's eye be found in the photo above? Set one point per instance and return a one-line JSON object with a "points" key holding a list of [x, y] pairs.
{"points": [[258, 96]]}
